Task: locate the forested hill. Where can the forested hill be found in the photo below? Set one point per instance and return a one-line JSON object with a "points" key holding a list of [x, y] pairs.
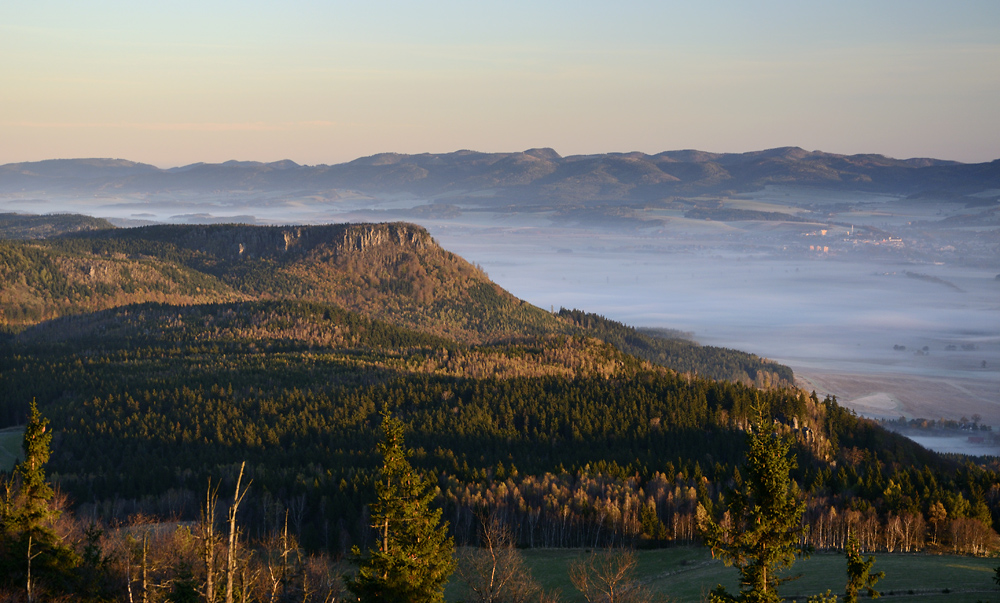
{"points": [[391, 272], [574, 441], [682, 355]]}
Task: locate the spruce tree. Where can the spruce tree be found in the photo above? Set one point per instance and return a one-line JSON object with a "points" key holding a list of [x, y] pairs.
{"points": [[413, 555], [762, 535], [30, 550], [30, 511]]}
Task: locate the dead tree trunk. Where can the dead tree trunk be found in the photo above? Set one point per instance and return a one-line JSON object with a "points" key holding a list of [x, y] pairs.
{"points": [[231, 555], [208, 540], [145, 567]]}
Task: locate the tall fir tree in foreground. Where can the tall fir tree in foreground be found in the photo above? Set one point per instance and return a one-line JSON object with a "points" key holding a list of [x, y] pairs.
{"points": [[760, 536], [413, 556]]}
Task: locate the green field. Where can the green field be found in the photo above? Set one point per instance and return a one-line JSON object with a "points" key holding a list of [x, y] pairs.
{"points": [[686, 574], [10, 447]]}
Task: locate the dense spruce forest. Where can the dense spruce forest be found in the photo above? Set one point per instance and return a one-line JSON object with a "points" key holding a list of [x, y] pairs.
{"points": [[167, 357]]}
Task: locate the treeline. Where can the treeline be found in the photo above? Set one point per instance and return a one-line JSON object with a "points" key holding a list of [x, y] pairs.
{"points": [[254, 554], [740, 215], [25, 226], [294, 325], [47, 553], [964, 424]]}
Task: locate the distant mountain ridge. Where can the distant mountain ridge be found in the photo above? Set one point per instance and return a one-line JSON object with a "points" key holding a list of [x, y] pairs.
{"points": [[535, 174]]}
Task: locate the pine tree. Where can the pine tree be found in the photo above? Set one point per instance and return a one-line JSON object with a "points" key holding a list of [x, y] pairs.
{"points": [[413, 556], [859, 576], [765, 512]]}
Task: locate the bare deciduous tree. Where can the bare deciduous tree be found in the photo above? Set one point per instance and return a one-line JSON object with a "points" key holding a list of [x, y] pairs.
{"points": [[495, 572], [609, 577]]}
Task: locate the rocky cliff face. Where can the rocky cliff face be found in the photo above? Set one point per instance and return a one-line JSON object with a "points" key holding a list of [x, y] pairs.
{"points": [[360, 237]]}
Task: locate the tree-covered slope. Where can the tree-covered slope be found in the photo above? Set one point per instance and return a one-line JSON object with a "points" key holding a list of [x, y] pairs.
{"points": [[682, 355], [151, 399], [42, 280], [576, 441], [168, 355]]}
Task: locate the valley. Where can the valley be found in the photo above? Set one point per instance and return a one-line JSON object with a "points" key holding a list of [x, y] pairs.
{"points": [[499, 302]]}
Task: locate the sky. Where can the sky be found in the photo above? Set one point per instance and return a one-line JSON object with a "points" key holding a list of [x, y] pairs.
{"points": [[173, 83]]}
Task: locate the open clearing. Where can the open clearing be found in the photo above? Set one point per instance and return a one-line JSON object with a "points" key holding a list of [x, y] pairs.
{"points": [[912, 396], [10, 447], [687, 574]]}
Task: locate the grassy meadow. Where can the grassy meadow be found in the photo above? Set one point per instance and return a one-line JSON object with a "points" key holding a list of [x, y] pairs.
{"points": [[687, 574]]}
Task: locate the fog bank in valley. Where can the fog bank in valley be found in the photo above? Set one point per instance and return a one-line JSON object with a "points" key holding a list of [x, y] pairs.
{"points": [[892, 304]]}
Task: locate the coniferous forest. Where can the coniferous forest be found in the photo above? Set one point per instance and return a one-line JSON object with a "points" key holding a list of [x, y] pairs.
{"points": [[224, 376]]}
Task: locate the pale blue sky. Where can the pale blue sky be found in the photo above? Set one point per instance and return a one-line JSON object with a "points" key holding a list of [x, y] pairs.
{"points": [[325, 82]]}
